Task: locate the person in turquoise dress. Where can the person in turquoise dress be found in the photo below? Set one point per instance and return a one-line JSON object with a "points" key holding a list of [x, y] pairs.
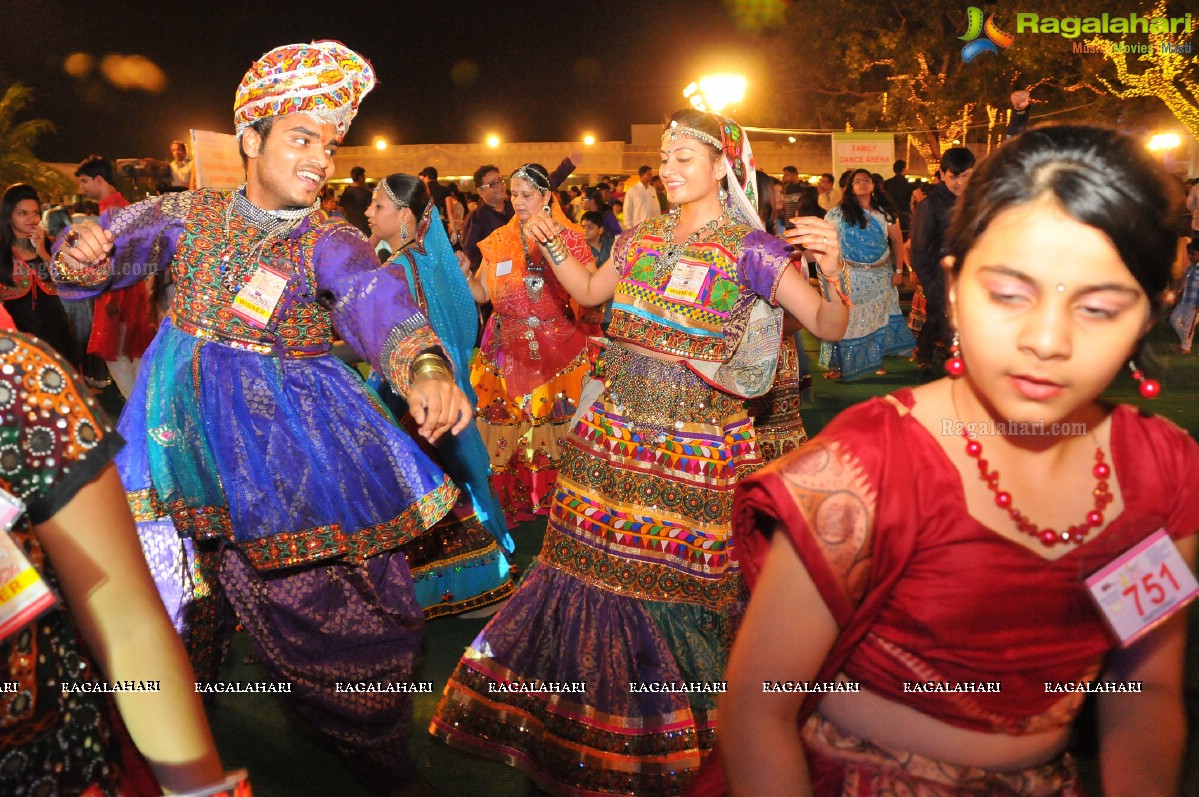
{"points": [[872, 246], [459, 564]]}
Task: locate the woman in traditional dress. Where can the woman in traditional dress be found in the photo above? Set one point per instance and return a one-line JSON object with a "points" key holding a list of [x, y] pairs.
{"points": [[872, 246], [945, 549], [64, 524], [532, 359], [457, 565], [26, 288], [636, 594]]}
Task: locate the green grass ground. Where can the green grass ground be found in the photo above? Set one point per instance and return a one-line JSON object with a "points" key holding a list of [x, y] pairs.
{"points": [[287, 759]]}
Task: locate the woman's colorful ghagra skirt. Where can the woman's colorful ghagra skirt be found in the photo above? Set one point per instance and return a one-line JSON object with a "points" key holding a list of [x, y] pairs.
{"points": [[525, 435], [600, 675]]}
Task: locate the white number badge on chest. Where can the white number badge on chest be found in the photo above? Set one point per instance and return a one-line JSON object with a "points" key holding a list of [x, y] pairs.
{"points": [[1143, 587], [686, 281], [255, 303], [23, 593]]}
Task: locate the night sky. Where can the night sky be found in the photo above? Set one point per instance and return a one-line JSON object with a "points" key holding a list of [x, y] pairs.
{"points": [[541, 70]]}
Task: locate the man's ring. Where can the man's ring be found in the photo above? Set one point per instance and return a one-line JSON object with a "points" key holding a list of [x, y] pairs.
{"points": [[72, 239]]}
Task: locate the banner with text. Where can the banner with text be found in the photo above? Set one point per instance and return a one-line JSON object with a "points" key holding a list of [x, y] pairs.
{"points": [[873, 151], [217, 160]]}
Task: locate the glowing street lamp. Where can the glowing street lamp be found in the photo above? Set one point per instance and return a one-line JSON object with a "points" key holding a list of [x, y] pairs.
{"points": [[1164, 142], [380, 143], [716, 92], [493, 141], [589, 139]]}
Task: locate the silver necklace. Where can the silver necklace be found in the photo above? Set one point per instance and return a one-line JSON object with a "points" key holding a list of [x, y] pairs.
{"points": [[672, 252], [273, 223], [534, 279]]}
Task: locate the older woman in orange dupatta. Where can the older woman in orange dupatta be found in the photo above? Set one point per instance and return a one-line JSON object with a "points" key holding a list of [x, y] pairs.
{"points": [[532, 361]]}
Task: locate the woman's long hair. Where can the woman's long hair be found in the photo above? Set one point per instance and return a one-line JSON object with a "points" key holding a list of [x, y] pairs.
{"points": [[409, 190], [854, 213], [16, 193]]}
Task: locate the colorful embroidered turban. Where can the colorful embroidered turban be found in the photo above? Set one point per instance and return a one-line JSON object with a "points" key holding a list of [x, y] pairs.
{"points": [[325, 80]]}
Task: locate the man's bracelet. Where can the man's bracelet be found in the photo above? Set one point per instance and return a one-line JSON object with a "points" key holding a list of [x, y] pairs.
{"points": [[430, 363]]}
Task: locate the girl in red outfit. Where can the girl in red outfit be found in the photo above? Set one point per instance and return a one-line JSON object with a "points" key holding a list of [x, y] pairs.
{"points": [[932, 546]]}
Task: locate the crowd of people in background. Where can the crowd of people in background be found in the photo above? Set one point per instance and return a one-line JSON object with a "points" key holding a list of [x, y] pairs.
{"points": [[624, 361]]}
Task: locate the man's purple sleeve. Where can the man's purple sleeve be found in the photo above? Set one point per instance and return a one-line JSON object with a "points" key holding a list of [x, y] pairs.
{"points": [[144, 240], [372, 308]]}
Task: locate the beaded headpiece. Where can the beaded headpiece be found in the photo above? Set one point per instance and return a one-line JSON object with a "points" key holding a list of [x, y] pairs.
{"points": [[325, 80], [742, 199], [391, 194], [532, 177], [675, 129]]}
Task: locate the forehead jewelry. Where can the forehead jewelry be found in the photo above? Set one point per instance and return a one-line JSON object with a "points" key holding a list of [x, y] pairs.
{"points": [[1061, 288], [391, 195], [672, 133], [531, 177]]}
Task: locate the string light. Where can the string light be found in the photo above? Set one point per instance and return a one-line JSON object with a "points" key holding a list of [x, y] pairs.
{"points": [[1170, 68]]}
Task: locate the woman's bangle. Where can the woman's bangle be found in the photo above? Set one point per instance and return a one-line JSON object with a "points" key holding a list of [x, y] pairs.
{"points": [[557, 249], [836, 274], [831, 286]]}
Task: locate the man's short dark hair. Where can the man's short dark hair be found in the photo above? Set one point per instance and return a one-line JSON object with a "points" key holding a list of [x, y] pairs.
{"points": [[899, 166], [357, 173], [828, 176], [263, 127], [643, 170], [96, 166], [604, 187], [593, 216], [430, 172], [956, 160], [791, 170], [482, 172]]}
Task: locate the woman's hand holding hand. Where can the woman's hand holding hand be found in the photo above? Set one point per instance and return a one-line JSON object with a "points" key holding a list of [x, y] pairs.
{"points": [[818, 238]]}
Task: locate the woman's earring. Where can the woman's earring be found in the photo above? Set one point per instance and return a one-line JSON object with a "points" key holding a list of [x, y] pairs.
{"points": [[1150, 388], [955, 366], [403, 231], [722, 195]]}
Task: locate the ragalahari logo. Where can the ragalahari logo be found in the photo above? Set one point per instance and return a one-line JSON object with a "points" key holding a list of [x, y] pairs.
{"points": [[994, 38]]}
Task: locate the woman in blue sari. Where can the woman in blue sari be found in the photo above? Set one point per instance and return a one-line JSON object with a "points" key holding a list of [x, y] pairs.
{"points": [[872, 246], [459, 564]]}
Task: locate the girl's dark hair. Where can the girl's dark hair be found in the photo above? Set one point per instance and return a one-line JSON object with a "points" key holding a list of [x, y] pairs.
{"points": [[16, 193], [409, 190], [854, 213], [1097, 177], [766, 208]]}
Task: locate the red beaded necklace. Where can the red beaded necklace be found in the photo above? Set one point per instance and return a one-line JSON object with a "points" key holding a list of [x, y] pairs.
{"points": [[1048, 537]]}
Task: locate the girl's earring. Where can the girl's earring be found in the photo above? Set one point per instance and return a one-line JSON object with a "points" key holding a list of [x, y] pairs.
{"points": [[403, 231], [1150, 388], [955, 366]]}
